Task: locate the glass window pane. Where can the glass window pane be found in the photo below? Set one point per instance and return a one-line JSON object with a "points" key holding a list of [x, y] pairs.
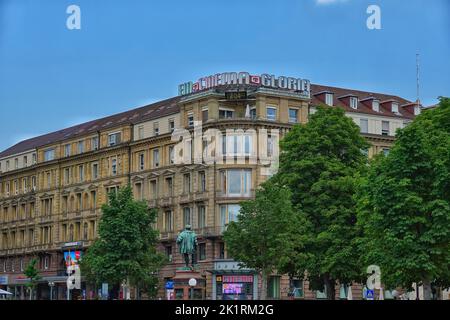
{"points": [[234, 182]]}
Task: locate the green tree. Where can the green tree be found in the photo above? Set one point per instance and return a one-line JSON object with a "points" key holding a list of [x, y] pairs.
{"points": [[321, 163], [404, 205], [32, 274], [125, 251], [262, 236]]}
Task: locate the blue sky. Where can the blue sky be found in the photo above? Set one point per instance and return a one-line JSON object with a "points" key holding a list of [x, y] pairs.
{"points": [[129, 53]]}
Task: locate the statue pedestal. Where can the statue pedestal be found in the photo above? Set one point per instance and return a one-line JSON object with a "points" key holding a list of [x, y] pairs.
{"points": [[183, 291]]}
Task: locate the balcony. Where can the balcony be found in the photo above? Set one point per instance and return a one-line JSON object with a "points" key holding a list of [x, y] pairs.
{"points": [[167, 236], [186, 197], [209, 232], [166, 202]]}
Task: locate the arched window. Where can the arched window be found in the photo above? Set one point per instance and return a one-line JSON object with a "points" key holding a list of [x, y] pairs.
{"points": [[86, 202]]}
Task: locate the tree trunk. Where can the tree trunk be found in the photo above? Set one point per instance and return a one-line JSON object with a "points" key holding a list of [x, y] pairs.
{"points": [[426, 289], [330, 288], [264, 285]]}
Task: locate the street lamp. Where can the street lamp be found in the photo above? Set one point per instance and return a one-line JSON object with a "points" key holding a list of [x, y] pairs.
{"points": [[192, 284], [51, 285]]}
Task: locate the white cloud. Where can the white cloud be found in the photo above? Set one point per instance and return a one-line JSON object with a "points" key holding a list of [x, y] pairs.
{"points": [[325, 2]]}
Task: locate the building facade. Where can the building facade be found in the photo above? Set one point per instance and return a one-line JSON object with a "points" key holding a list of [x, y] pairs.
{"points": [[52, 187]]}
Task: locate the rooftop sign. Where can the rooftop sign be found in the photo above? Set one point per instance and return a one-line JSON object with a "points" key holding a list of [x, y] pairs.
{"points": [[301, 86]]}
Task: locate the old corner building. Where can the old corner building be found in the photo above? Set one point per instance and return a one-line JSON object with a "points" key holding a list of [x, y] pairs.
{"points": [[52, 186]]}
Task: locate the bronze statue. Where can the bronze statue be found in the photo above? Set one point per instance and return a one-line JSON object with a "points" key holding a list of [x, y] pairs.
{"points": [[187, 242]]}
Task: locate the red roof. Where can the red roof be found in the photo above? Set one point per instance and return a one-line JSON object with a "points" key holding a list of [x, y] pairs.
{"points": [[362, 95], [170, 106], [148, 112]]}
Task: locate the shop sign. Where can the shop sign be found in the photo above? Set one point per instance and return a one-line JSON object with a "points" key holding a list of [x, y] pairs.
{"points": [[237, 279], [3, 280], [301, 86]]}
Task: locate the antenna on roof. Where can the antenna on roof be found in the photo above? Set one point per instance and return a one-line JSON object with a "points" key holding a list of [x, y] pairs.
{"points": [[417, 79]]}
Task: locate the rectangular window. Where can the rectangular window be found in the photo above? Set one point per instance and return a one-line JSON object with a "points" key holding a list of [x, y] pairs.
{"points": [[201, 216], [93, 200], [271, 113], [296, 288], [190, 119], [274, 287], [67, 176], [395, 107], [329, 99], [25, 161], [171, 125], [253, 113], [80, 147], [169, 253], [228, 213], [141, 132], [205, 114], [156, 128], [376, 105], [94, 171], [94, 143], [202, 181], [354, 102], [169, 186], [67, 150], [155, 158], [386, 151], [226, 114], [114, 139], [168, 223], [153, 189], [81, 173], [16, 163], [114, 167], [138, 189], [171, 155], [187, 183], [236, 182], [385, 128], [187, 219], [364, 125], [49, 180], [141, 162], [49, 154], [293, 115], [202, 251]]}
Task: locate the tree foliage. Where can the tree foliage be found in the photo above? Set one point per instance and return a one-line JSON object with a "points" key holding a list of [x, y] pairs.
{"points": [[263, 236], [32, 273], [404, 204], [126, 247], [321, 163]]}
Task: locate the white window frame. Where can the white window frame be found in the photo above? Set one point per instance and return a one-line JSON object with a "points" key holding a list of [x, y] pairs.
{"points": [[113, 142], [267, 113], [354, 103], [361, 120], [293, 120], [329, 99]]}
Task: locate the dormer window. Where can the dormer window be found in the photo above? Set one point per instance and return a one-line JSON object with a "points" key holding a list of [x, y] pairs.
{"points": [[354, 102], [376, 105], [329, 99], [395, 107]]}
